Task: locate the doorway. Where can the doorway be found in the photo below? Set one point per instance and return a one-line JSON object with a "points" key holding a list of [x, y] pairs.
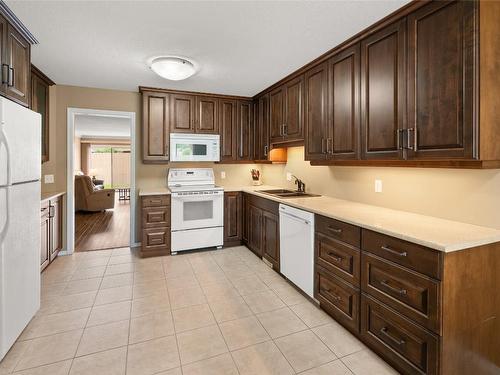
{"points": [[101, 180]]}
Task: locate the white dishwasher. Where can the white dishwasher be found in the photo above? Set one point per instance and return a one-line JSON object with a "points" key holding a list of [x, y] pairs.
{"points": [[297, 247]]}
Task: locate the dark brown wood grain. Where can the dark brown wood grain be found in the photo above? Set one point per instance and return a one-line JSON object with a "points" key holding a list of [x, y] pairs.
{"points": [[44, 235], [207, 109], [294, 102], [343, 101], [40, 102], [233, 218], [155, 127], [228, 129], [245, 130], [316, 112], [405, 345], [338, 230], [383, 92], [261, 139], [18, 58], [271, 239], [155, 214], [254, 222], [182, 112], [56, 226], [277, 114]]}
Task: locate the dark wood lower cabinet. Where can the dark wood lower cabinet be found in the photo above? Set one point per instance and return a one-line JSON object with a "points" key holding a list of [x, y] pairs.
{"points": [[255, 229], [271, 239], [155, 213], [233, 218], [51, 229]]}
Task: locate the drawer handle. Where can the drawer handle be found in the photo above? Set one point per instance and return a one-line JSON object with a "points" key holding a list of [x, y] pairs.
{"points": [[336, 257], [335, 230], [335, 296], [154, 201], [396, 290], [385, 332], [389, 250]]}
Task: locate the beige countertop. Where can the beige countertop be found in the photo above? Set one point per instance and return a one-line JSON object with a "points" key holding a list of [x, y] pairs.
{"points": [[51, 195], [155, 191], [440, 234]]}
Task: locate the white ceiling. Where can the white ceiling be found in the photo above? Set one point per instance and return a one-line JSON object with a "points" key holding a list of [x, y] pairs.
{"points": [[102, 127], [242, 46]]}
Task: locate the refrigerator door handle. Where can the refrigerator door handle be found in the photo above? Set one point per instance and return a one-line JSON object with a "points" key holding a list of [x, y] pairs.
{"points": [[5, 229], [4, 140]]}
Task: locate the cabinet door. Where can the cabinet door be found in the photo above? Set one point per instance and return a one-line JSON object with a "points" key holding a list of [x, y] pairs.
{"points": [[316, 112], [183, 113], [56, 231], [441, 80], [40, 104], [245, 130], [276, 114], [245, 218], [3, 54], [18, 86], [294, 92], [271, 239], [44, 237], [262, 127], [232, 217], [155, 127], [343, 123], [255, 229], [206, 115], [383, 92], [227, 128]]}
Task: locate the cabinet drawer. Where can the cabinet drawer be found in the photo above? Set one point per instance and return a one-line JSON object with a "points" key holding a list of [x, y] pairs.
{"points": [[339, 258], [339, 230], [411, 349], [414, 295], [156, 201], [156, 217], [338, 298], [155, 239], [415, 257]]}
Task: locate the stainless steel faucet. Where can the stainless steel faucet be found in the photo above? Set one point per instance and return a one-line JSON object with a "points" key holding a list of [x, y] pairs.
{"points": [[301, 186]]}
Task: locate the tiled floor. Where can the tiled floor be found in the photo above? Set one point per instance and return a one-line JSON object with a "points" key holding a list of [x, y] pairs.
{"points": [[208, 313]]}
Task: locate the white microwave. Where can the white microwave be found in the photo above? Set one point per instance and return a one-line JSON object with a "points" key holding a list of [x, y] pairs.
{"points": [[194, 147]]}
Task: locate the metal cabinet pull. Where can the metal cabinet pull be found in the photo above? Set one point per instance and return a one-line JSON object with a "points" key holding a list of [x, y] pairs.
{"points": [[335, 230], [329, 150], [11, 77], [52, 211], [266, 148], [285, 131], [335, 296], [397, 341], [396, 290], [399, 138], [323, 144], [395, 252], [335, 256], [411, 145]]}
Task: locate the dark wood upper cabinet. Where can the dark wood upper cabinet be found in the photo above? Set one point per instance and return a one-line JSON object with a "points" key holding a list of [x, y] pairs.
{"points": [[245, 130], [40, 84], [227, 129], [277, 114], [206, 115], [383, 92], [18, 81], [155, 127], [182, 113], [343, 122], [316, 112], [261, 111], [294, 101], [441, 55]]}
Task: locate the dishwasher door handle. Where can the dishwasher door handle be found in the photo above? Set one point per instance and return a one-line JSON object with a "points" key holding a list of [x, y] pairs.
{"points": [[292, 216]]}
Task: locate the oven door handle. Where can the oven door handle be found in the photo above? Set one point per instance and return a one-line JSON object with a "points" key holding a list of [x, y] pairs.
{"points": [[197, 197]]}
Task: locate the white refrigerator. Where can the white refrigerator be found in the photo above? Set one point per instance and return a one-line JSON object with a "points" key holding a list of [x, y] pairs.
{"points": [[20, 168]]}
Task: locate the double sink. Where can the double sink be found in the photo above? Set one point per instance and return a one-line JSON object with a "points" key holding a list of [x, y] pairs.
{"points": [[284, 193]]}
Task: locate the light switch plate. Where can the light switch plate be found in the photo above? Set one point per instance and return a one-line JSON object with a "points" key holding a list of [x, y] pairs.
{"points": [[378, 186], [222, 174], [49, 178], [288, 176]]}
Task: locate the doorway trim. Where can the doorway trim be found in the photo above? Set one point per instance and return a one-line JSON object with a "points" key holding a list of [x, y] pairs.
{"points": [[70, 179]]}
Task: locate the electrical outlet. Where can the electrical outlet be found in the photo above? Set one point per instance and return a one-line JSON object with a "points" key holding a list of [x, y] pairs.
{"points": [[49, 178], [378, 186], [222, 175], [288, 176]]}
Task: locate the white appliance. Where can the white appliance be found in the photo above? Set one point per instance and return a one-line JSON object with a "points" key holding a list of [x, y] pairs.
{"points": [[194, 147], [197, 209], [297, 247], [20, 139]]}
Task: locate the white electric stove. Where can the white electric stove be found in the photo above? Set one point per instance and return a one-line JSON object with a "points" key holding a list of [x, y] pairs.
{"points": [[197, 209]]}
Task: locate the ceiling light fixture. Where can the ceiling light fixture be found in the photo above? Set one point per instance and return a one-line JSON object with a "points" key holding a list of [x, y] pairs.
{"points": [[172, 67]]}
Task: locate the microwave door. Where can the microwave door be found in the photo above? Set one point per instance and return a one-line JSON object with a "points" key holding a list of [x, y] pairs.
{"points": [[190, 151]]}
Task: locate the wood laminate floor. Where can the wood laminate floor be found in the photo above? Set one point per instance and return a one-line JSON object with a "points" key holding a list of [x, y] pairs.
{"points": [[103, 230]]}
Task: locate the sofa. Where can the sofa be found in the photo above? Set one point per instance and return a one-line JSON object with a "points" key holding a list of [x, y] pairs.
{"points": [[88, 198]]}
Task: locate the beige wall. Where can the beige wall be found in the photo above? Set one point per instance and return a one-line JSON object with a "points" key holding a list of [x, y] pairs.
{"points": [[464, 195], [471, 196]]}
